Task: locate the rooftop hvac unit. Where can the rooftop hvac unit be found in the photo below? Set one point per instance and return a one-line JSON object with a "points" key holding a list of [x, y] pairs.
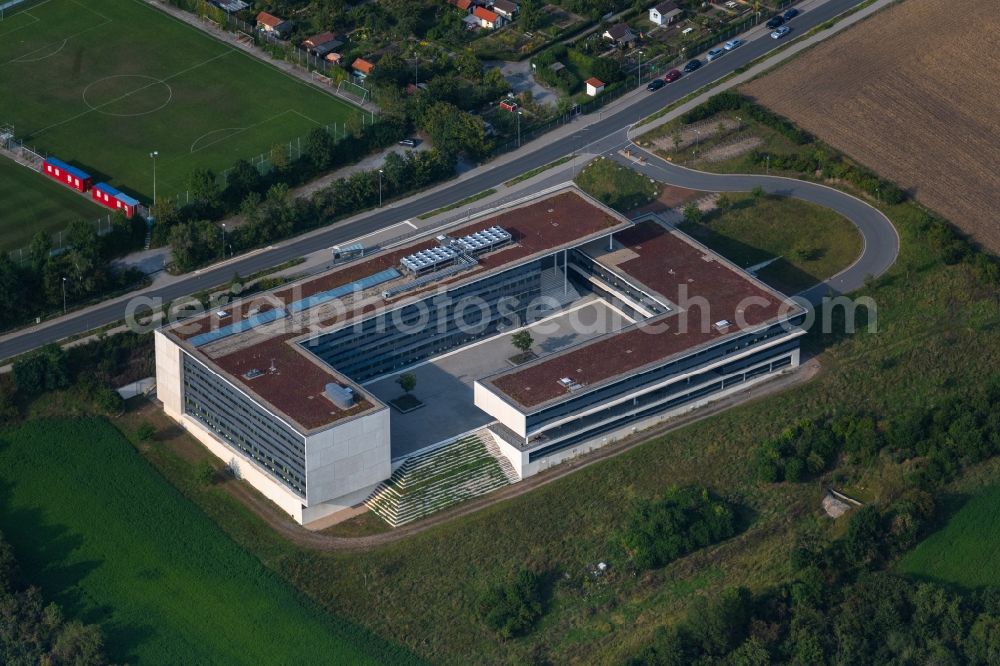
{"points": [[485, 240], [428, 260], [341, 396]]}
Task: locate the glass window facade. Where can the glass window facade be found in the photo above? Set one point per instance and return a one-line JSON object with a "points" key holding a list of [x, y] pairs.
{"points": [[244, 425], [614, 417], [636, 381], [437, 324]]}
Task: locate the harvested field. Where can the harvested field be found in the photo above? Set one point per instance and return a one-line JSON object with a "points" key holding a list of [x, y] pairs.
{"points": [[910, 93]]}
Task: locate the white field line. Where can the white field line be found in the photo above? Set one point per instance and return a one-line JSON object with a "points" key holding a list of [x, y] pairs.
{"points": [[130, 93]]}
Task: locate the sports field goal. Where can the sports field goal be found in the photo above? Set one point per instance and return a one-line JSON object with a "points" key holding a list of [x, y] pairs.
{"points": [[7, 8], [351, 89], [322, 78], [244, 38]]}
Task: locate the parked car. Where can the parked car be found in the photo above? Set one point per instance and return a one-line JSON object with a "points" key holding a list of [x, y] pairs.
{"points": [[655, 84], [714, 53], [408, 142], [733, 43], [790, 14], [672, 75], [780, 32], [775, 21], [692, 65]]}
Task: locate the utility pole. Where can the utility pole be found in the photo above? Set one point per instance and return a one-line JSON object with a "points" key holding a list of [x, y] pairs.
{"points": [[153, 156], [640, 67], [519, 128], [223, 240], [64, 294]]}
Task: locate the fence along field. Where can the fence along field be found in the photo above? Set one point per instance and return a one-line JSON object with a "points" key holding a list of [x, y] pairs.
{"points": [[33, 203], [111, 541], [910, 93], [101, 85]]}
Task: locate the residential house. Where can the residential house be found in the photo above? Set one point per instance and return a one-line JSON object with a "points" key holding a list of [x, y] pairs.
{"points": [[505, 8], [487, 19], [322, 44], [594, 86], [463, 5], [665, 13], [273, 25], [362, 67], [621, 35]]}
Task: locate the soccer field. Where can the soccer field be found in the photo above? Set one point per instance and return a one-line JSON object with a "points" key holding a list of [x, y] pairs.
{"points": [[33, 203], [101, 85]]}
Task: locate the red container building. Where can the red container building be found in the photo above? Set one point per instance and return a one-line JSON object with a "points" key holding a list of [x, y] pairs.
{"points": [[113, 198], [67, 175]]}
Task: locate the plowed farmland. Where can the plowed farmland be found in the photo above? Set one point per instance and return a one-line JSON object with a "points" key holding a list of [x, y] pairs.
{"points": [[912, 94]]}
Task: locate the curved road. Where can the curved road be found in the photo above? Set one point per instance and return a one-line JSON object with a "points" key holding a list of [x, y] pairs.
{"points": [[880, 240], [606, 133]]}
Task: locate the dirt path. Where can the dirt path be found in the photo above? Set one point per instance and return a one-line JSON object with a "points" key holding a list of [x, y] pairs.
{"points": [[304, 538]]}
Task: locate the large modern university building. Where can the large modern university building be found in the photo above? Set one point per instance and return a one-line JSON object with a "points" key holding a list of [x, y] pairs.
{"points": [[286, 386]]}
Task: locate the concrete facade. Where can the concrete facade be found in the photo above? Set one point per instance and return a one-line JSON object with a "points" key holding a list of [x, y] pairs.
{"points": [[343, 462]]}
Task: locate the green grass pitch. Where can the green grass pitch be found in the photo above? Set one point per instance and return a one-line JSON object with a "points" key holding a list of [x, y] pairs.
{"points": [[965, 551], [33, 202], [106, 537], [102, 84]]}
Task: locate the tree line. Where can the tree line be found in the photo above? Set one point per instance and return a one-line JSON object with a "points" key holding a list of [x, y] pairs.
{"points": [[35, 632], [49, 278]]}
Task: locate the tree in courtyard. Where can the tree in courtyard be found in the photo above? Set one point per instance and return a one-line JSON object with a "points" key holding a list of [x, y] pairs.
{"points": [[407, 381], [522, 340]]}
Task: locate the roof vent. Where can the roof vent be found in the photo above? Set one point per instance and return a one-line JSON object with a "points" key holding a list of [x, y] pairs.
{"points": [[722, 325], [569, 384], [252, 373], [341, 396]]}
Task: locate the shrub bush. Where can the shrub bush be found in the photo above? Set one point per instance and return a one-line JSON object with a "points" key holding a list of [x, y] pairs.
{"points": [[682, 521], [511, 608]]}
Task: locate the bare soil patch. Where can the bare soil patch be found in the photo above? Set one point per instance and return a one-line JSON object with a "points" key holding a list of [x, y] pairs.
{"points": [[731, 149], [695, 133], [910, 93]]}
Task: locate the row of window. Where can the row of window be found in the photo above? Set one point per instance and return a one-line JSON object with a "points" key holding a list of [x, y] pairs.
{"points": [[637, 381], [244, 425], [382, 343], [603, 425]]}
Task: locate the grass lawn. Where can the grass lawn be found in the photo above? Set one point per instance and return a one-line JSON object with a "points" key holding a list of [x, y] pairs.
{"points": [[919, 355], [33, 202], [101, 85], [111, 541], [617, 186], [965, 550], [807, 242]]}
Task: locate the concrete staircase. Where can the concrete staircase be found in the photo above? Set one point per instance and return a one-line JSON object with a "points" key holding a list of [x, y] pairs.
{"points": [[494, 450], [440, 478]]}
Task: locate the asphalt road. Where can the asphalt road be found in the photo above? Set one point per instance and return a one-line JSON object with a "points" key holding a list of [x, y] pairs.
{"points": [[881, 242], [606, 134]]}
